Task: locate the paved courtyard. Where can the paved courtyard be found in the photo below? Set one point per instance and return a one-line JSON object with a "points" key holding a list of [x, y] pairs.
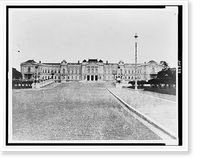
{"points": [[73, 111]]}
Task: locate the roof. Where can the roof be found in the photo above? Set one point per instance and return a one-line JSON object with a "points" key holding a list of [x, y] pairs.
{"points": [[51, 63], [30, 61], [152, 61], [74, 64], [92, 60]]}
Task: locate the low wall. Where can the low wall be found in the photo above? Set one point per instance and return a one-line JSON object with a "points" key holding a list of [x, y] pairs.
{"points": [[21, 84], [120, 85], [42, 84]]}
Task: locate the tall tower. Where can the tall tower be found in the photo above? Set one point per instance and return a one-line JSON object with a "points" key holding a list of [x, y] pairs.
{"points": [[136, 40]]}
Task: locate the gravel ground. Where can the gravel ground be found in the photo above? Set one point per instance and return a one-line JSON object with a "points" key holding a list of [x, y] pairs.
{"points": [[163, 111], [74, 111]]}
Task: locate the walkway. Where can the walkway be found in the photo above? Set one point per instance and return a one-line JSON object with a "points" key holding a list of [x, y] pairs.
{"points": [[161, 110]]}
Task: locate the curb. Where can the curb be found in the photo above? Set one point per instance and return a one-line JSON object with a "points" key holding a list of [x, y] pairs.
{"points": [[147, 118]]}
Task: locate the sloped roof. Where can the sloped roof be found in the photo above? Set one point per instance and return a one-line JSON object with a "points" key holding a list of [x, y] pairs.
{"points": [[92, 60], [51, 63], [30, 61], [152, 61], [78, 64]]}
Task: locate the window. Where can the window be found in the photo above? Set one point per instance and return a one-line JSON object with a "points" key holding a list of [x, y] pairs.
{"points": [[153, 70], [29, 69]]}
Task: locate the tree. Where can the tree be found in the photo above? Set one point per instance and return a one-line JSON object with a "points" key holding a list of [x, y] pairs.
{"points": [[164, 64], [165, 76], [16, 74]]}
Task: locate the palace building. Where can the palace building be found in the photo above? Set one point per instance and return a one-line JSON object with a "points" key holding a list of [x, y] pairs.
{"points": [[89, 70]]}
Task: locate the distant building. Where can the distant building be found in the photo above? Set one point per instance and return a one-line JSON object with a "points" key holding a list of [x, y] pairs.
{"points": [[88, 70]]}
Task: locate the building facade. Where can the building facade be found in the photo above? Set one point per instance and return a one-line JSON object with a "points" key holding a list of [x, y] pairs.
{"points": [[90, 70]]}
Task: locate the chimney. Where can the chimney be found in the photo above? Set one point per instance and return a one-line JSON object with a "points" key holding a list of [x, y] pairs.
{"points": [[106, 62], [78, 62], [39, 61]]}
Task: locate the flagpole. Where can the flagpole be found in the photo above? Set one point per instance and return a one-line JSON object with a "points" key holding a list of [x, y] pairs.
{"points": [[136, 60]]}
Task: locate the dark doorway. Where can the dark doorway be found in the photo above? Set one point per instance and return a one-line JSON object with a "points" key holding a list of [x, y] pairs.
{"points": [[92, 77], [88, 77], [96, 77]]}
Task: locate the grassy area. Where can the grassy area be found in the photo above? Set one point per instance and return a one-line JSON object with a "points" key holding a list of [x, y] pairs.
{"points": [[170, 91]]}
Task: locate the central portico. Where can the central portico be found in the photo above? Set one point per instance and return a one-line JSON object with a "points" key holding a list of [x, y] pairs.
{"points": [[92, 70]]}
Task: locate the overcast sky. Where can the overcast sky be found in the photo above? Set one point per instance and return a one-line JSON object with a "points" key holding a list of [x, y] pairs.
{"points": [[51, 35]]}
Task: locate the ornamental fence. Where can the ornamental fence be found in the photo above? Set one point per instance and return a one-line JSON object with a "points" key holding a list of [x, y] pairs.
{"points": [[24, 84]]}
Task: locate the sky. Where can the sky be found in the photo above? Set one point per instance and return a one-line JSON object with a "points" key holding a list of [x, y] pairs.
{"points": [[52, 35]]}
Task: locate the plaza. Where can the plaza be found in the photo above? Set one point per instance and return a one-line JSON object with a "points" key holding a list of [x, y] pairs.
{"points": [[74, 111]]}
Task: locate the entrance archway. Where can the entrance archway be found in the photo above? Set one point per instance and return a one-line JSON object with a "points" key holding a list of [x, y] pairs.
{"points": [[96, 77], [92, 77], [88, 77]]}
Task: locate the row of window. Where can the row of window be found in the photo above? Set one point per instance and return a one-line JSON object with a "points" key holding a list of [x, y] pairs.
{"points": [[62, 77], [92, 67], [129, 71], [51, 71], [92, 70], [125, 71], [58, 71], [126, 77]]}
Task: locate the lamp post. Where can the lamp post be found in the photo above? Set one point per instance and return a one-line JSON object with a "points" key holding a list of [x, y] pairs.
{"points": [[136, 40], [36, 74]]}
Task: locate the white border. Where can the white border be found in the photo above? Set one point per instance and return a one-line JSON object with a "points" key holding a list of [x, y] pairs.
{"points": [[101, 148]]}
